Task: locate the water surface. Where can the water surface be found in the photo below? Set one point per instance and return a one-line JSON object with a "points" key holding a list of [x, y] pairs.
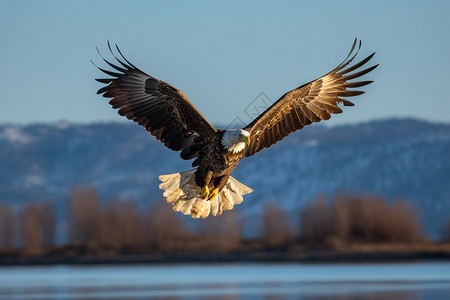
{"points": [[232, 281]]}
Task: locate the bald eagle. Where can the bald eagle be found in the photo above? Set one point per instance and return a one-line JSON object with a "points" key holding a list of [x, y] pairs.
{"points": [[168, 115]]}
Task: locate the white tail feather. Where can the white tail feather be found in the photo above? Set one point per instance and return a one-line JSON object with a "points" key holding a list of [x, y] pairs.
{"points": [[181, 190]]}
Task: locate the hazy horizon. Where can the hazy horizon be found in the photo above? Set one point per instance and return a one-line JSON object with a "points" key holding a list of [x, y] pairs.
{"points": [[223, 126]]}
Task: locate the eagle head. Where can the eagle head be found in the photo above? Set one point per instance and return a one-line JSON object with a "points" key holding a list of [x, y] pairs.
{"points": [[235, 140]]}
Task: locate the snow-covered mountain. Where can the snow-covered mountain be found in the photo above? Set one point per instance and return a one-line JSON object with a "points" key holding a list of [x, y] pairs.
{"points": [[393, 158]]}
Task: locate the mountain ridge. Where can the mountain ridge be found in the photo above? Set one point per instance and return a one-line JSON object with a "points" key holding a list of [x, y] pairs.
{"points": [[395, 158]]}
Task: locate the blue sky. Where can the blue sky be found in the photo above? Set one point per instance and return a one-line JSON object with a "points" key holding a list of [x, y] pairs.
{"points": [[222, 54]]}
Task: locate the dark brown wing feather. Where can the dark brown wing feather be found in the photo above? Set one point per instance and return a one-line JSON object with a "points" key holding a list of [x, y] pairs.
{"points": [[309, 103], [164, 111]]}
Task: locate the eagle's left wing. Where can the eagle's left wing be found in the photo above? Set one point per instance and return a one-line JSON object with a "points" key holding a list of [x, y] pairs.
{"points": [[309, 103], [164, 111]]}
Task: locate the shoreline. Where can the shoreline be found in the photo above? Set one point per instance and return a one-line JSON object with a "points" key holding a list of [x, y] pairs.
{"points": [[316, 257]]}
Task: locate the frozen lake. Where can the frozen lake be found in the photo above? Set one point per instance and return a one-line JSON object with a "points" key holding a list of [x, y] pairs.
{"points": [[230, 281]]}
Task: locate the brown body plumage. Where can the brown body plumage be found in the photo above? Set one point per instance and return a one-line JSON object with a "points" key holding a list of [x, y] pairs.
{"points": [[217, 162], [167, 114]]}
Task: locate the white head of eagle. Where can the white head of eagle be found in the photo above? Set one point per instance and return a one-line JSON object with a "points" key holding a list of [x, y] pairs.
{"points": [[234, 140]]}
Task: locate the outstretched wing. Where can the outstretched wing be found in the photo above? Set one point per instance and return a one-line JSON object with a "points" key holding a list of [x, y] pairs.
{"points": [[309, 103], [164, 111]]}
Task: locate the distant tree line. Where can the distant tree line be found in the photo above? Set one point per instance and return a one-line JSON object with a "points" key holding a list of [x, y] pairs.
{"points": [[350, 219], [119, 227], [31, 228]]}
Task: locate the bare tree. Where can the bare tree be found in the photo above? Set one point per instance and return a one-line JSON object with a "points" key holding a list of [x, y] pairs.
{"points": [[31, 229], [354, 218], [220, 233], [342, 218], [407, 222], [130, 229], [166, 231], [47, 213], [109, 226], [275, 226], [84, 217], [316, 221], [7, 227]]}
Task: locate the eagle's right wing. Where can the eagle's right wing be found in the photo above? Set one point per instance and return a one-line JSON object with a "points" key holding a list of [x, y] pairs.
{"points": [[309, 103], [164, 111]]}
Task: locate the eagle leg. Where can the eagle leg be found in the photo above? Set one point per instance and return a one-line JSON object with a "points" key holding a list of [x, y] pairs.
{"points": [[213, 193], [205, 192]]}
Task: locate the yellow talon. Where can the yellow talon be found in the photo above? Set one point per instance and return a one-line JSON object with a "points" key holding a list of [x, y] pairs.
{"points": [[213, 193], [205, 192]]}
